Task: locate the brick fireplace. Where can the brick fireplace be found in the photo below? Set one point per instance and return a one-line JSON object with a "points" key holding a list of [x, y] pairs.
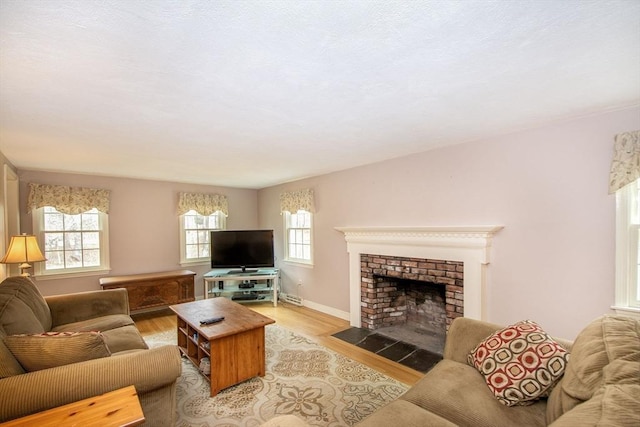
{"points": [[466, 248], [396, 290]]}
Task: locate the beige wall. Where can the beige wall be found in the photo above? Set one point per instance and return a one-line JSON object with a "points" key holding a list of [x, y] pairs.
{"points": [[554, 260], [9, 224], [143, 224]]}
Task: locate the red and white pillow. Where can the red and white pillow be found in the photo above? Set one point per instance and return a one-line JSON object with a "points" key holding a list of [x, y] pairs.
{"points": [[520, 363]]}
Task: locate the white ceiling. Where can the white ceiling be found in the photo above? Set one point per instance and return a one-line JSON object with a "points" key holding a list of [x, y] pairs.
{"points": [[256, 93]]}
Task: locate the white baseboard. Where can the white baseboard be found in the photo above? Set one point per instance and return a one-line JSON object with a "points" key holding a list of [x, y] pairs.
{"points": [[344, 315]]}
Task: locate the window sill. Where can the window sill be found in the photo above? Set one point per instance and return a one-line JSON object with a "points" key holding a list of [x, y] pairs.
{"points": [[194, 263], [298, 263], [627, 311], [69, 275]]}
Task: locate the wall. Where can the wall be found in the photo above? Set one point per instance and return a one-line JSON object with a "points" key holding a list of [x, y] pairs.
{"points": [[8, 216], [143, 224], [554, 260]]}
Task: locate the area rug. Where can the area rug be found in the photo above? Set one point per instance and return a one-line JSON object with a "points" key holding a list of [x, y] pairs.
{"points": [[303, 378]]}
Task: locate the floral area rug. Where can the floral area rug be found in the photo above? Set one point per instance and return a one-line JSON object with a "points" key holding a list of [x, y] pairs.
{"points": [[303, 378]]}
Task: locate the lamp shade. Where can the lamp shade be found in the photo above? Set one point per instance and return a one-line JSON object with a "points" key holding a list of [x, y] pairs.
{"points": [[22, 250]]}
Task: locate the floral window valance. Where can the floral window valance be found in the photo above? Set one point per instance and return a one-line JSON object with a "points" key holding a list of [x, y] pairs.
{"points": [[68, 200], [625, 167], [293, 201], [204, 204]]}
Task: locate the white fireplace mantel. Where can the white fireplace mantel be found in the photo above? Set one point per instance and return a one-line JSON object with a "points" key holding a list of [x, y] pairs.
{"points": [[469, 244]]}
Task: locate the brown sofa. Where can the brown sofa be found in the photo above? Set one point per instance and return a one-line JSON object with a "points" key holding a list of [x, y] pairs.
{"points": [[600, 385], [61, 349]]}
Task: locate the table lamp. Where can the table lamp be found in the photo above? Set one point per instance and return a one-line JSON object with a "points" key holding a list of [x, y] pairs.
{"points": [[22, 250]]}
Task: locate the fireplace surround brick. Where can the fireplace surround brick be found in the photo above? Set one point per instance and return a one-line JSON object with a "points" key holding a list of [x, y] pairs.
{"points": [[383, 302]]}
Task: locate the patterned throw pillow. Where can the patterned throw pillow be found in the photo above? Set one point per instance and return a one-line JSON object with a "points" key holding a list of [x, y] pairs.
{"points": [[520, 363], [50, 349]]}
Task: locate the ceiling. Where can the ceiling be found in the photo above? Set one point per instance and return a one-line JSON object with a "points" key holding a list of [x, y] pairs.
{"points": [[252, 94]]}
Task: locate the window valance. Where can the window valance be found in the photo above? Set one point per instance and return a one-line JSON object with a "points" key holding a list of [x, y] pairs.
{"points": [[293, 201], [204, 204], [68, 200], [625, 167]]}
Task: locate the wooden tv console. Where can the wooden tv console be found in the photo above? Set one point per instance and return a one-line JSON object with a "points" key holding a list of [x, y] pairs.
{"points": [[154, 289]]}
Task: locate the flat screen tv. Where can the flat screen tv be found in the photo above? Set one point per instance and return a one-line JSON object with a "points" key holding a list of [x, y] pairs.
{"points": [[246, 250]]}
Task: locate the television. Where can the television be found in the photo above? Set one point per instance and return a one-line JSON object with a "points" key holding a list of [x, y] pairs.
{"points": [[246, 250]]}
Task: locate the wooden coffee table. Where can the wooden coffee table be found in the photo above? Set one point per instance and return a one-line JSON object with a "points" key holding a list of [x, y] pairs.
{"points": [[235, 346]]}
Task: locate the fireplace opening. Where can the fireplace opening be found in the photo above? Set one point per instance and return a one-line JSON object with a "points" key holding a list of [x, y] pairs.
{"points": [[410, 299], [418, 313]]}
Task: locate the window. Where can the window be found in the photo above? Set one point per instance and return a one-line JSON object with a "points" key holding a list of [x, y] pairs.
{"points": [[627, 250], [298, 237], [194, 235], [72, 243]]}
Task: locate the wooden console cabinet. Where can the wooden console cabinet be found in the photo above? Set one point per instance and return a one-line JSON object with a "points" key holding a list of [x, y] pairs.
{"points": [[154, 289]]}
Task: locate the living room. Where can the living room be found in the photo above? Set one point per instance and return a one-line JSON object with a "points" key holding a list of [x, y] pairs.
{"points": [[553, 261], [543, 184]]}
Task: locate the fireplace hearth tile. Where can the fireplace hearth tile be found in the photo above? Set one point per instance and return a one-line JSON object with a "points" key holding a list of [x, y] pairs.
{"points": [[397, 351], [376, 343], [401, 352], [421, 360], [353, 335]]}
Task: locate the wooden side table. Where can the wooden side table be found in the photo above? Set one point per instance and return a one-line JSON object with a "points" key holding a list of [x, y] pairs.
{"points": [[118, 408]]}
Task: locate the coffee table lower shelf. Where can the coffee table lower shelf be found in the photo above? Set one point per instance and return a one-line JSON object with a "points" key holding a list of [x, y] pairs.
{"points": [[235, 346]]}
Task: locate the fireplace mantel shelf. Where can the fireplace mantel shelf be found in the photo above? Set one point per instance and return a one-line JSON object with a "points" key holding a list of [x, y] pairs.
{"points": [[448, 236]]}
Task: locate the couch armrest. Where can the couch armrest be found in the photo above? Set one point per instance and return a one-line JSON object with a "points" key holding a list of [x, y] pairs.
{"points": [[464, 334], [37, 391], [81, 306]]}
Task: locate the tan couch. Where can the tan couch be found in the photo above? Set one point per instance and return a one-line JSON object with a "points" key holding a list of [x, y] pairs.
{"points": [[600, 386], [118, 356]]}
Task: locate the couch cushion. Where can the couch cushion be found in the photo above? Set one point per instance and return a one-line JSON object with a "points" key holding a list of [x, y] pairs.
{"points": [[50, 349], [23, 310], [102, 324], [403, 413], [457, 392], [611, 405], [119, 330], [9, 365], [605, 352], [124, 339], [520, 363]]}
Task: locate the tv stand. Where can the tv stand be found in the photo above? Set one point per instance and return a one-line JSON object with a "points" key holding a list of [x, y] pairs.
{"points": [[233, 284], [243, 270]]}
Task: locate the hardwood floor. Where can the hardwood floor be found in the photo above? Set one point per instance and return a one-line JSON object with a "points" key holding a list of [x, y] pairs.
{"points": [[312, 324]]}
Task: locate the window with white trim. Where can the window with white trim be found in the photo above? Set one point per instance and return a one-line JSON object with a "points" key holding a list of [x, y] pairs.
{"points": [[195, 232], [298, 237], [627, 249], [71, 243]]}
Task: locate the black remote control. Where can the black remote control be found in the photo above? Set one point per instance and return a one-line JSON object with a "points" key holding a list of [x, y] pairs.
{"points": [[212, 320]]}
